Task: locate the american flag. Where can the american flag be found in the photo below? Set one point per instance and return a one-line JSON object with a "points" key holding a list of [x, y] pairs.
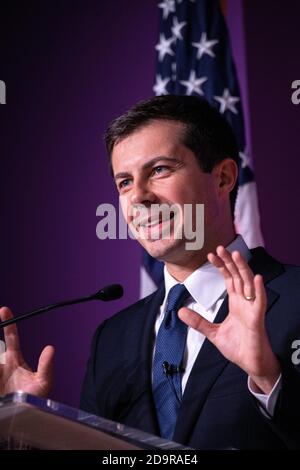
{"points": [[194, 58]]}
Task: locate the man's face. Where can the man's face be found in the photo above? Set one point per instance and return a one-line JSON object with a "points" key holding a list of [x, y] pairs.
{"points": [[152, 167]]}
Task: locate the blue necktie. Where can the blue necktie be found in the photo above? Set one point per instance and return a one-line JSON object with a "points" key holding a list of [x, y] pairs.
{"points": [[167, 363]]}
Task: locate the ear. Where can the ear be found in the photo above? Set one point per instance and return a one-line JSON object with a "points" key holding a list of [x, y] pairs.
{"points": [[226, 173]]}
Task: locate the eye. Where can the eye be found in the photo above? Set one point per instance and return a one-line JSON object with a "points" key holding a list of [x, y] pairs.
{"points": [[157, 170], [123, 184]]}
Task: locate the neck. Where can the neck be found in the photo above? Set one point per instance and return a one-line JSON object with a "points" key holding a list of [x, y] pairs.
{"points": [[192, 260]]}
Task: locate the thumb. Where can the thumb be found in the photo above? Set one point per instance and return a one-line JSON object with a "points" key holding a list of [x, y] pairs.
{"points": [[196, 321], [45, 365]]}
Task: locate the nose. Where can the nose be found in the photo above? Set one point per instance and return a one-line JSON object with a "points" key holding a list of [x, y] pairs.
{"points": [[141, 194]]}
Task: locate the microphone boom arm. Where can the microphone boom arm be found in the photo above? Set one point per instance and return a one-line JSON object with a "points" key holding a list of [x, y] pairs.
{"points": [[112, 292]]}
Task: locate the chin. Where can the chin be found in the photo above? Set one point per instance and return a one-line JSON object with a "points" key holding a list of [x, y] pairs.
{"points": [[164, 250]]}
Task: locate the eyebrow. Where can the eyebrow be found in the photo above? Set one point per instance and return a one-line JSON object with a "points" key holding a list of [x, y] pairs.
{"points": [[149, 164]]}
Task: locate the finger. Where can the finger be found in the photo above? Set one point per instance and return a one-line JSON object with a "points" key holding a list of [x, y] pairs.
{"points": [[11, 336], [216, 261], [196, 321], [230, 265], [260, 293], [245, 273], [45, 365]]}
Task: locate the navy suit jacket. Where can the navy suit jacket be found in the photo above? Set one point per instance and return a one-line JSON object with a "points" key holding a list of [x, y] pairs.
{"points": [[217, 409]]}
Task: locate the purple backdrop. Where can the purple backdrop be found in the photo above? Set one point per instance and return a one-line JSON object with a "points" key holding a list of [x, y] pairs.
{"points": [[69, 69], [272, 45]]}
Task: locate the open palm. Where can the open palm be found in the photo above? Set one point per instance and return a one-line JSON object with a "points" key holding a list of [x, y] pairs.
{"points": [[15, 374], [242, 336]]}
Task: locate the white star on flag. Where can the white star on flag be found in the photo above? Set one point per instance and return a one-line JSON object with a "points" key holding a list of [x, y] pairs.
{"points": [[177, 27], [193, 84], [168, 6], [245, 159], [227, 102], [163, 47], [204, 46], [160, 85]]}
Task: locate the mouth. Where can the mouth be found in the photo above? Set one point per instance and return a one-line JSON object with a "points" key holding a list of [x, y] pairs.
{"points": [[150, 222], [156, 228]]}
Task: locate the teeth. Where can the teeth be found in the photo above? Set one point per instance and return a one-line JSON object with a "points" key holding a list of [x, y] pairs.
{"points": [[153, 223], [147, 222]]}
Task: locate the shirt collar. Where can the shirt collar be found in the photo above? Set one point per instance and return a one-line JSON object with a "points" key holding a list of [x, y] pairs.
{"points": [[207, 275]]}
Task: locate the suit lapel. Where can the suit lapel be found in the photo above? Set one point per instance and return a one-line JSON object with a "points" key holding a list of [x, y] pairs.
{"points": [[262, 263], [269, 268], [210, 363], [141, 377]]}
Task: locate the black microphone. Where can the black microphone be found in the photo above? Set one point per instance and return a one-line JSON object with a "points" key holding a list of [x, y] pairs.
{"points": [[170, 369], [112, 292]]}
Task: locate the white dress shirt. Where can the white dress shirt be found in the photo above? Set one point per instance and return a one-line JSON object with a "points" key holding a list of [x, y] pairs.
{"points": [[207, 288]]}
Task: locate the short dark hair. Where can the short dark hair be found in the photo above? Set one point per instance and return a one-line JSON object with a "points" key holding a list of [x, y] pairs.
{"points": [[207, 133]]}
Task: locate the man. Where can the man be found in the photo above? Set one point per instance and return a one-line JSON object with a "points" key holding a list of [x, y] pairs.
{"points": [[226, 381]]}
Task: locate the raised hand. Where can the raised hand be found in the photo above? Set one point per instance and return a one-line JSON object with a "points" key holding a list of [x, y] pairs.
{"points": [[15, 374], [242, 336]]}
